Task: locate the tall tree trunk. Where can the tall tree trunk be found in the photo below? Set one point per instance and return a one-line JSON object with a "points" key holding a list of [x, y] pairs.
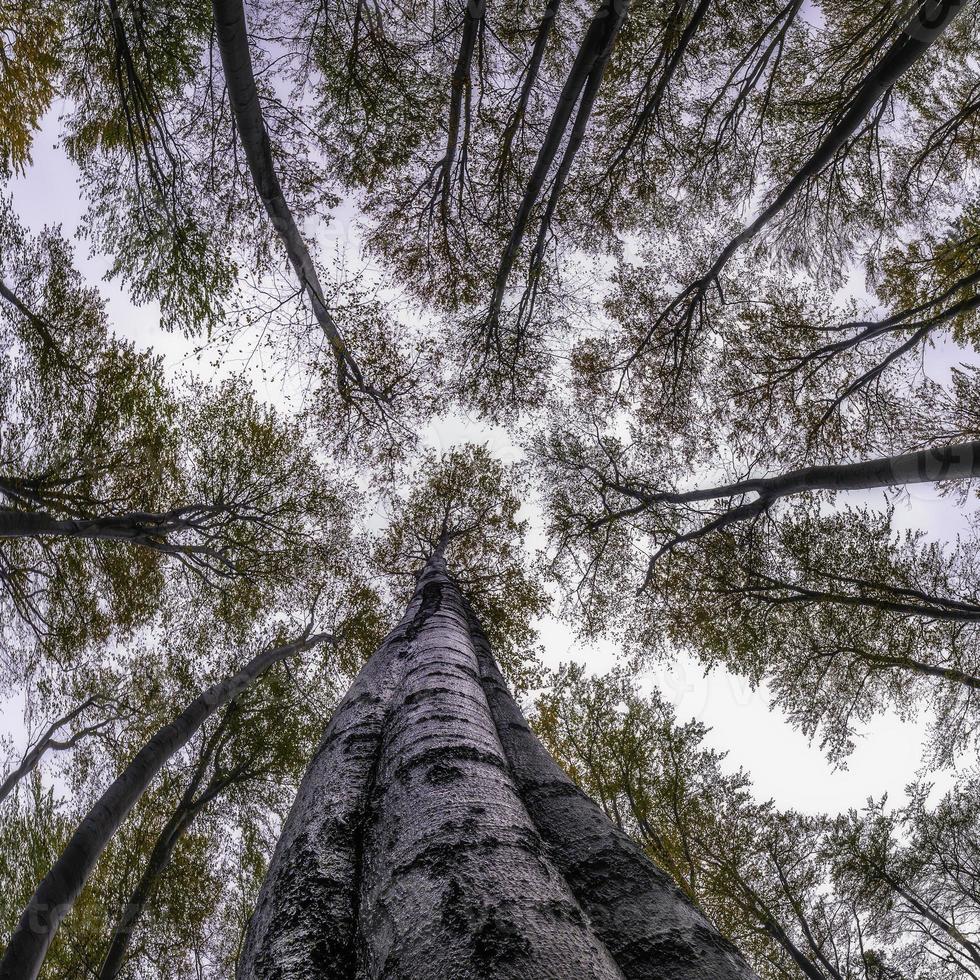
{"points": [[530, 78], [56, 894], [433, 836], [192, 802], [460, 89], [956, 461], [594, 51], [925, 27], [236, 60]]}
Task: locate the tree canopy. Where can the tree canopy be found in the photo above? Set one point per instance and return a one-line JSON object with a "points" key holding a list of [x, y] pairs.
{"points": [[657, 318]]}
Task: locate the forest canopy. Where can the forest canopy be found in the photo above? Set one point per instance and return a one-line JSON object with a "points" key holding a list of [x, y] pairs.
{"points": [[658, 319]]}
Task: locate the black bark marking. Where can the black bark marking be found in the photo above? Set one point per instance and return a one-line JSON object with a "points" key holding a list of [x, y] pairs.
{"points": [[499, 940], [440, 858], [431, 603], [566, 910], [442, 773], [443, 755], [365, 818]]}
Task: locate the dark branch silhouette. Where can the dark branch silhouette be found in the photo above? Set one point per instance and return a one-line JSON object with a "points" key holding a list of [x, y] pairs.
{"points": [[236, 59], [925, 27]]}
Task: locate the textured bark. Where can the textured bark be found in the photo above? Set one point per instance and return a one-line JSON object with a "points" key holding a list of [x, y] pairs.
{"points": [[648, 925], [59, 888], [147, 529], [303, 924], [434, 837]]}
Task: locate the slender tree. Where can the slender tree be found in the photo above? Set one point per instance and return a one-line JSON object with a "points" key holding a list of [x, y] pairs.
{"points": [[246, 748], [194, 799], [60, 887], [580, 90], [232, 34]]}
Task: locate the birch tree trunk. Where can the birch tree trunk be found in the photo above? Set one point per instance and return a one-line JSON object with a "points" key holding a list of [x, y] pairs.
{"points": [[434, 837]]}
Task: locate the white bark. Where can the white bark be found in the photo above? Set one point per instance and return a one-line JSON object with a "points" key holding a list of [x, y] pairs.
{"points": [[433, 837]]}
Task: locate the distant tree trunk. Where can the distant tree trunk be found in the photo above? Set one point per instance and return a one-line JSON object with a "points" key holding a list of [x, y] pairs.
{"points": [[45, 332], [231, 32], [150, 530], [530, 78], [57, 891], [926, 25], [163, 850], [589, 63], [433, 837], [672, 60], [192, 802]]}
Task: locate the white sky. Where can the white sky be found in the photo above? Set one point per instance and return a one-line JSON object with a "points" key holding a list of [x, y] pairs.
{"points": [[783, 765]]}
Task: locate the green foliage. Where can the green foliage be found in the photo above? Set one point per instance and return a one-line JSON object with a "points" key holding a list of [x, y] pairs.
{"points": [[468, 502], [882, 893], [128, 69], [30, 36], [33, 831], [840, 616]]}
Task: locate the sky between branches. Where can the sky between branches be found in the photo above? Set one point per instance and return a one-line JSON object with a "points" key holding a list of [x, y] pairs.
{"points": [[781, 761]]}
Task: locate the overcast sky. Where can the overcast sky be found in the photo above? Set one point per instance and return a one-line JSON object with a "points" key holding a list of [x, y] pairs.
{"points": [[783, 765]]}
